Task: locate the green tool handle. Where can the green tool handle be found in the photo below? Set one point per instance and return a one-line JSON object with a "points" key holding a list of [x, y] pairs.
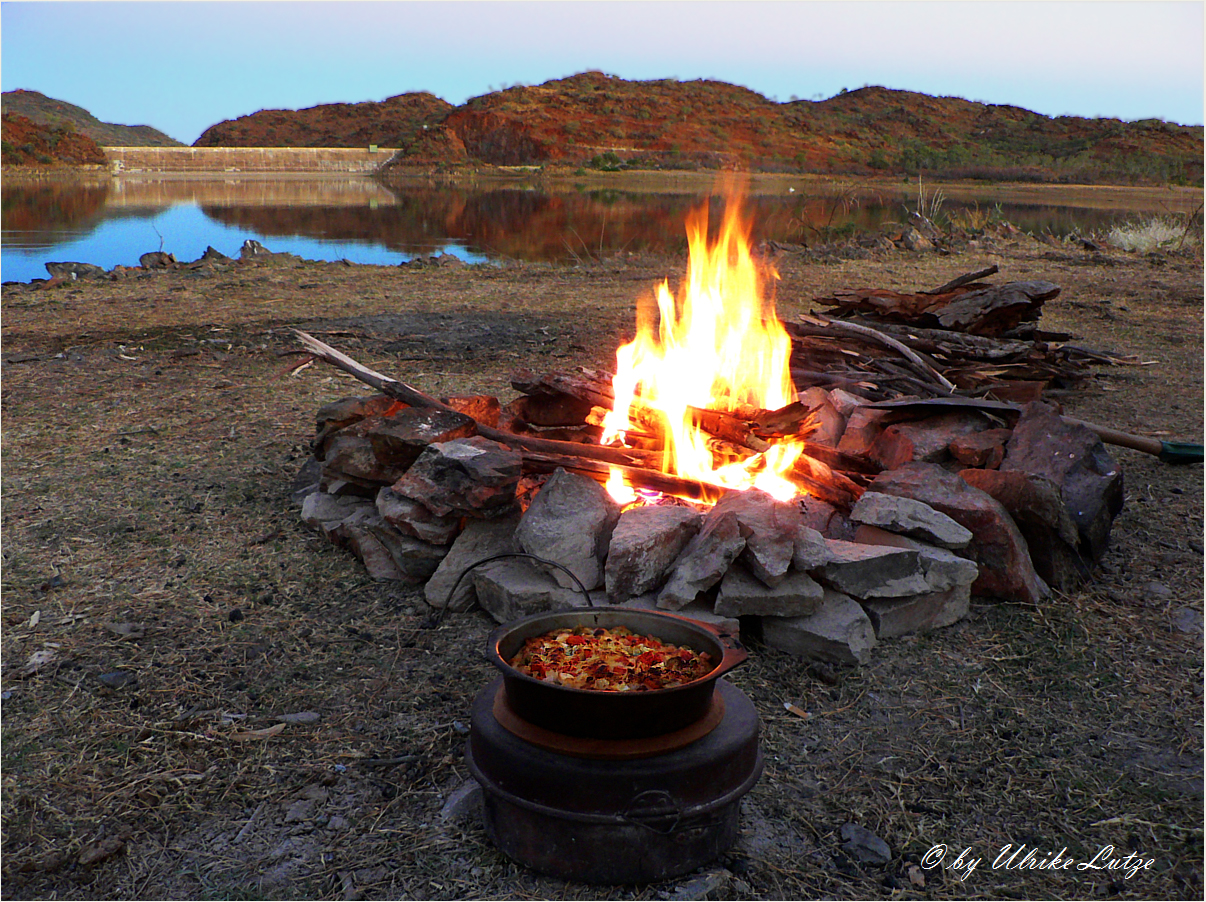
{"points": [[1169, 452]]}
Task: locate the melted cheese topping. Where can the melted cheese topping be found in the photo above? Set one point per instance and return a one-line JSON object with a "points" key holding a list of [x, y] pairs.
{"points": [[609, 660]]}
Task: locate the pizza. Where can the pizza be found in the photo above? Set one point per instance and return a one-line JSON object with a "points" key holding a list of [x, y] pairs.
{"points": [[609, 660]]}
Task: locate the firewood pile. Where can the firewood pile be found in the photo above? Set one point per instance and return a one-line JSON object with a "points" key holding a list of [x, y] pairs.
{"points": [[963, 338], [933, 473]]}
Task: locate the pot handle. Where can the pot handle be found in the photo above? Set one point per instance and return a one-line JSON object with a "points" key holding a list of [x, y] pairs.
{"points": [[734, 652]]}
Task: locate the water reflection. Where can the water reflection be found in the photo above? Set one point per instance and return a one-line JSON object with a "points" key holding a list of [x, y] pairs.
{"points": [[359, 219]]}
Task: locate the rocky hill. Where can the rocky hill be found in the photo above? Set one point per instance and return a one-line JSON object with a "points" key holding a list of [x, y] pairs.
{"points": [[60, 114], [605, 122], [394, 122], [29, 143]]}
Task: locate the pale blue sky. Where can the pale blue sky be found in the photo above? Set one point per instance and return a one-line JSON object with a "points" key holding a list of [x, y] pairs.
{"points": [[183, 66]]}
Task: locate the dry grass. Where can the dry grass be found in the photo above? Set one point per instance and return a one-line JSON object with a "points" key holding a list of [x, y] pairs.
{"points": [[151, 434]]}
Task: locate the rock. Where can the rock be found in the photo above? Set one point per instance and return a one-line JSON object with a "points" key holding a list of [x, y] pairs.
{"points": [[863, 427], [704, 561], [831, 423], [463, 803], [301, 810], [913, 240], [845, 402], [1156, 592], [810, 550], [769, 527], [118, 679], [911, 518], [862, 844], [1188, 620], [472, 477], [1035, 504], [213, 255], [872, 571], [644, 544], [826, 519], [482, 408], [997, 545], [73, 271], [980, 449], [480, 539], [411, 518], [96, 852], [302, 717], [570, 523], [925, 440], [1076, 460], [343, 413], [796, 595], [700, 610], [156, 260], [387, 553], [399, 439], [516, 587], [892, 617], [349, 456], [839, 632], [324, 512]]}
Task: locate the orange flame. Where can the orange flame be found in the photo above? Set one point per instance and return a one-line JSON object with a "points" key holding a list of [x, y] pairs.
{"points": [[719, 346]]}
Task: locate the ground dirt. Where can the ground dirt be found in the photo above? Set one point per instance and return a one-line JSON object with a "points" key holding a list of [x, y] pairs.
{"points": [[164, 608]]}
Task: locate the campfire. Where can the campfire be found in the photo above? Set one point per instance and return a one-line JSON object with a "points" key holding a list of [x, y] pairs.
{"points": [[918, 466]]}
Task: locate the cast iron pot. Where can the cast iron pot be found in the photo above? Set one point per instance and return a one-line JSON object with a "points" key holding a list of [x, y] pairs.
{"points": [[612, 715]]}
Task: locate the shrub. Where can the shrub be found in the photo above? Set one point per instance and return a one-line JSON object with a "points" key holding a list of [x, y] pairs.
{"points": [[1145, 237]]}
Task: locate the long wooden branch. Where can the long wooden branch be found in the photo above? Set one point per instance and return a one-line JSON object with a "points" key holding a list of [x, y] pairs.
{"points": [[408, 395]]}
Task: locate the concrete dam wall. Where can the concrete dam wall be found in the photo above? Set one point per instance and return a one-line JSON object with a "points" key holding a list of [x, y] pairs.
{"points": [[247, 159]]}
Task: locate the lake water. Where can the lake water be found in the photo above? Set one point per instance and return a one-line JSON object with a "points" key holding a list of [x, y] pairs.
{"points": [[113, 221]]}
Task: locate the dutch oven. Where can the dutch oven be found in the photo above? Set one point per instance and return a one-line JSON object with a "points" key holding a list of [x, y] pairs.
{"points": [[596, 714]]}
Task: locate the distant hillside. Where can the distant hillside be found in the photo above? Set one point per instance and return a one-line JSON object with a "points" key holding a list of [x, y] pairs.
{"points": [[59, 113], [388, 123], [604, 122], [28, 143]]}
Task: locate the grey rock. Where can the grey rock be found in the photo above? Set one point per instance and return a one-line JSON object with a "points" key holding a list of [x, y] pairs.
{"points": [[319, 508], [810, 549], [864, 845], [700, 610], [911, 518], [117, 679], [871, 571], [300, 810], [644, 544], [1188, 620], [892, 617], [516, 587], [75, 270], [826, 519], [463, 803], [386, 553], [414, 519], [704, 560], [769, 527], [839, 632], [570, 522], [480, 539], [797, 595]]}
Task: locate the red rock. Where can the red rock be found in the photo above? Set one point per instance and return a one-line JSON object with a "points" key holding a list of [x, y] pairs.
{"points": [[980, 449]]}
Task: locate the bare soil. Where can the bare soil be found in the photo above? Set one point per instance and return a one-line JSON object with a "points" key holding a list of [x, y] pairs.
{"points": [[164, 607]]}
